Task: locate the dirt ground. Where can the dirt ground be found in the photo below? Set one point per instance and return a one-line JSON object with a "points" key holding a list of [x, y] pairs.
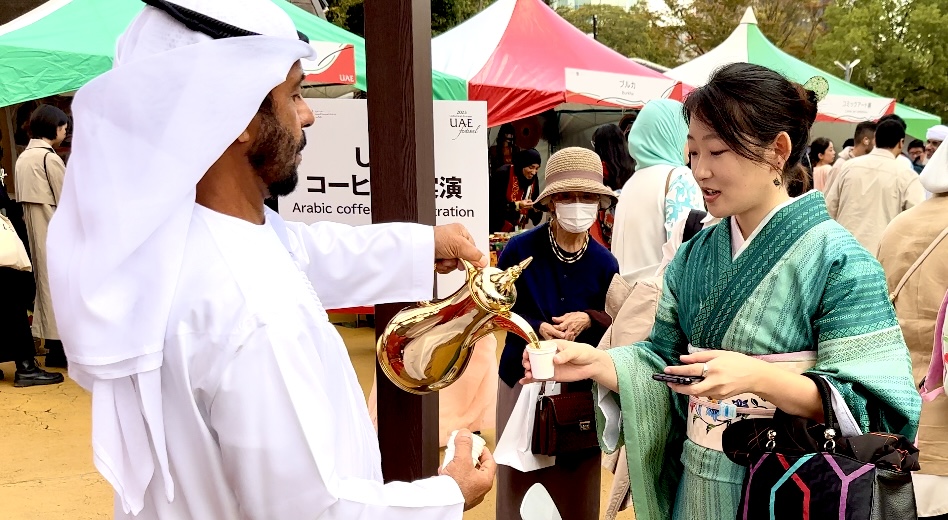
{"points": [[46, 469]]}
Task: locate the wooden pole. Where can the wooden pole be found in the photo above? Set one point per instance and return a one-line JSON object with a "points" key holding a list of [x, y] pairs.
{"points": [[9, 146], [401, 141]]}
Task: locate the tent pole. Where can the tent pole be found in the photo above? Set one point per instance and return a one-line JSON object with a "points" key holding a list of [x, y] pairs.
{"points": [[401, 140]]}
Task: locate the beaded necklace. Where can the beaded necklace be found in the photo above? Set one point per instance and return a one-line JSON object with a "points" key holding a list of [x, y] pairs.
{"points": [[565, 256]]}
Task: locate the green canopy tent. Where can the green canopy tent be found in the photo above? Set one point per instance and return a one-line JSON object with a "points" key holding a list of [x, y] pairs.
{"points": [[61, 45], [845, 103]]}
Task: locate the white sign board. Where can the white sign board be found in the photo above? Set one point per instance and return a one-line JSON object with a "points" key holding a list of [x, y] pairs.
{"points": [[608, 88], [335, 180], [854, 109]]}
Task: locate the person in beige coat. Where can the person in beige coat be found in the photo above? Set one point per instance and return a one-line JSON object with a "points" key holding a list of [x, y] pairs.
{"points": [[872, 189], [39, 183], [918, 288]]}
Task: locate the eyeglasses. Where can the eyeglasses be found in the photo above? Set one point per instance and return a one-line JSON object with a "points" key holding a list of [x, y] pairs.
{"points": [[566, 198]]}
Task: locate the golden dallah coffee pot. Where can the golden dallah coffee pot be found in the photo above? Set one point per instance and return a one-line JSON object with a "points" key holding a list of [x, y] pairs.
{"points": [[426, 347]]}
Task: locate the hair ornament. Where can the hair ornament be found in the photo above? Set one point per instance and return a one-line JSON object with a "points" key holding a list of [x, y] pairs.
{"points": [[819, 86]]}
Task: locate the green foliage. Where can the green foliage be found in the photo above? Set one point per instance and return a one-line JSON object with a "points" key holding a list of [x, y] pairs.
{"points": [[701, 25], [901, 43], [901, 46], [632, 32], [348, 14], [445, 14]]}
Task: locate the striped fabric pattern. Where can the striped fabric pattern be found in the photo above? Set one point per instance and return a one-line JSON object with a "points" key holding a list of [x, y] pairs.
{"points": [[802, 284]]}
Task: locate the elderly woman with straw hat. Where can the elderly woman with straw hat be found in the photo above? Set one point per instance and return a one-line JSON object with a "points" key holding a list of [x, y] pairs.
{"points": [[562, 295]]}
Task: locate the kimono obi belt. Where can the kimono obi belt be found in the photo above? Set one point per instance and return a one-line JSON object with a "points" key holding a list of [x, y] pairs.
{"points": [[708, 418]]}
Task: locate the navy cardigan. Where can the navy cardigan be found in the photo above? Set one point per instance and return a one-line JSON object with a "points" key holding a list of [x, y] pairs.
{"points": [[550, 288]]}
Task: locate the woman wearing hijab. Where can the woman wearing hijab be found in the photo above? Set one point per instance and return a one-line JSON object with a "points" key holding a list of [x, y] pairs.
{"points": [[660, 193], [513, 190], [917, 303]]}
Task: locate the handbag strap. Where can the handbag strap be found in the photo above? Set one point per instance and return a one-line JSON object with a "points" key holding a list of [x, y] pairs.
{"points": [[829, 416], [543, 388], [51, 190], [911, 270]]}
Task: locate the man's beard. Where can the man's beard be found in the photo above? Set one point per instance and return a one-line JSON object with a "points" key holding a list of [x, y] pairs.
{"points": [[273, 156]]}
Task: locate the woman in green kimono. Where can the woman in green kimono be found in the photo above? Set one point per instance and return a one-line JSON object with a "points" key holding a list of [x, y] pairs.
{"points": [[776, 289]]}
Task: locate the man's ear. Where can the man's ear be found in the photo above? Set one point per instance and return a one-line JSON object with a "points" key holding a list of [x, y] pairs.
{"points": [[249, 133]]}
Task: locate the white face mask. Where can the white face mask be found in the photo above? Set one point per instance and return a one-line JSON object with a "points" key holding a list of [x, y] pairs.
{"points": [[576, 217]]}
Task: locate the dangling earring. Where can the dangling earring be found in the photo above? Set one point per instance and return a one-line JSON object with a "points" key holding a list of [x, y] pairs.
{"points": [[777, 182]]}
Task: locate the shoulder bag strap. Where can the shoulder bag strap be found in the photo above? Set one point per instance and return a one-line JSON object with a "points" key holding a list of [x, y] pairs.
{"points": [[921, 258], [668, 180], [933, 384], [693, 224], [51, 190]]}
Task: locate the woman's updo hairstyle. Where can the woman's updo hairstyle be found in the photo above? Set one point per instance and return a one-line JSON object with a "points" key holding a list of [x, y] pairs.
{"points": [[748, 106]]}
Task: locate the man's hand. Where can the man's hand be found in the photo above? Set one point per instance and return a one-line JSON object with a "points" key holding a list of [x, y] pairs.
{"points": [[572, 324], [548, 331], [454, 243], [474, 482]]}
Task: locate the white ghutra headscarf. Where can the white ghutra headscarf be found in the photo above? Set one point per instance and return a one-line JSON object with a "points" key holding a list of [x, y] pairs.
{"points": [[934, 177], [146, 132]]}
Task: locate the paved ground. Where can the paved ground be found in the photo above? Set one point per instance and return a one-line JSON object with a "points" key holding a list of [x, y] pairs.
{"points": [[46, 469]]}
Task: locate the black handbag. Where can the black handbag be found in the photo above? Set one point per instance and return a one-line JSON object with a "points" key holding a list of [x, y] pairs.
{"points": [[798, 468], [564, 423]]}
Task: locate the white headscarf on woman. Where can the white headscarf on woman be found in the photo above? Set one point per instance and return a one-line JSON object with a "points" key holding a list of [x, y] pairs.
{"points": [[934, 177], [146, 132]]}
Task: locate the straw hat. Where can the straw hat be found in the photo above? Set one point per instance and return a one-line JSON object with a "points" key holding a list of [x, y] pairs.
{"points": [[575, 169]]}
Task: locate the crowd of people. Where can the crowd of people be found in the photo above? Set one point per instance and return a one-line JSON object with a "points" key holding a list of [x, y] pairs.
{"points": [[794, 258], [782, 266]]}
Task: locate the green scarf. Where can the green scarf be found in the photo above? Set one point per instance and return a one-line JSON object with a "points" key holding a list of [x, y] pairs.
{"points": [[659, 134]]}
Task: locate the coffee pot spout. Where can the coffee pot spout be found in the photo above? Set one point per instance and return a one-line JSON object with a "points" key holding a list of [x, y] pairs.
{"points": [[514, 323], [505, 280]]}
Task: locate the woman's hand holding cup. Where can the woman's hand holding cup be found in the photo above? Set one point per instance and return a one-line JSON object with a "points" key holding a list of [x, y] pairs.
{"points": [[576, 362]]}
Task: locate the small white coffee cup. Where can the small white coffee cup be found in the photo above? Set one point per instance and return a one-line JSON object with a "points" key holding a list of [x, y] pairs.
{"points": [[541, 360]]}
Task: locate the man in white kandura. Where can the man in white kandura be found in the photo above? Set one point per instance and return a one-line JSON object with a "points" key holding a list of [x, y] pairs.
{"points": [[196, 316]]}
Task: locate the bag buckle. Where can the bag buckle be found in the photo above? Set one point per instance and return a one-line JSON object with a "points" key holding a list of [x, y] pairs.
{"points": [[585, 426], [830, 444]]}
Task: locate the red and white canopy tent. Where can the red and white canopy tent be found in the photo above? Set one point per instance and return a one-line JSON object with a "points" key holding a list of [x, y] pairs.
{"points": [[523, 59]]}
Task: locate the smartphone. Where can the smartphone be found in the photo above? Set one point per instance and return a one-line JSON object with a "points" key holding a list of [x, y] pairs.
{"points": [[678, 380]]}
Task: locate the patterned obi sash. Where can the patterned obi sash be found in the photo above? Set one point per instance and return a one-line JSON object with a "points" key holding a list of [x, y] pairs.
{"points": [[708, 418]]}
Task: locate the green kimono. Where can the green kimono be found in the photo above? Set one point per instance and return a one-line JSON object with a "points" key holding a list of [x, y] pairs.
{"points": [[802, 284]]}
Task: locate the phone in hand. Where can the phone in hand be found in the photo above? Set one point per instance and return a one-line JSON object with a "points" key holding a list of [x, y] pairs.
{"points": [[678, 380]]}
